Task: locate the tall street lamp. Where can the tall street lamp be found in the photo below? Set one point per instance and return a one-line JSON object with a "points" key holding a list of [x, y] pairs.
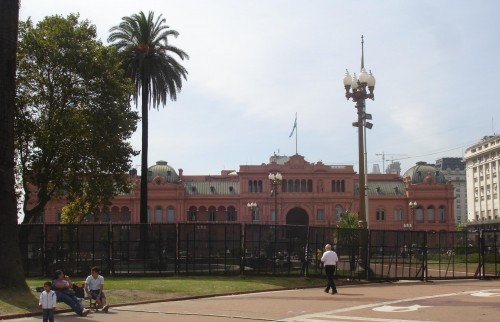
{"points": [[275, 179], [413, 205], [253, 207], [356, 89]]}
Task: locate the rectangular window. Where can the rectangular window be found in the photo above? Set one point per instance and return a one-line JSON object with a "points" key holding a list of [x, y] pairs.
{"points": [[380, 214], [398, 214], [320, 215]]}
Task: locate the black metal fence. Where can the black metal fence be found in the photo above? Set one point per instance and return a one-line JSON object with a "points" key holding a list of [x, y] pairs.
{"points": [[212, 248]]}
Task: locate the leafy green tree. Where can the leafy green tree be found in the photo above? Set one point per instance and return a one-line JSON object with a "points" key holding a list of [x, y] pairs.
{"points": [[73, 118], [349, 220], [143, 43], [349, 235], [11, 271]]}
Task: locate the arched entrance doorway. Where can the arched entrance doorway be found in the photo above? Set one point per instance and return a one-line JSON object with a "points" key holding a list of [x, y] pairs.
{"points": [[297, 216]]}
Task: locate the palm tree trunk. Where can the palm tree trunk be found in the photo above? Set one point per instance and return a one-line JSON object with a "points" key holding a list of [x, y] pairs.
{"points": [[11, 270], [144, 155]]}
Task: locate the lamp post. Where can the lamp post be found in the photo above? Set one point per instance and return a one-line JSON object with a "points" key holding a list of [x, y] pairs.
{"points": [[252, 206], [413, 205], [356, 89], [275, 179]]}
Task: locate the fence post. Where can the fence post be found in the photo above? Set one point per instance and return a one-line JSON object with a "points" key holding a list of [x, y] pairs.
{"points": [[481, 254], [425, 259]]}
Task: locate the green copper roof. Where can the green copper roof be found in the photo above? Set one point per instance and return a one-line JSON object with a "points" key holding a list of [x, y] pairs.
{"points": [[211, 188]]}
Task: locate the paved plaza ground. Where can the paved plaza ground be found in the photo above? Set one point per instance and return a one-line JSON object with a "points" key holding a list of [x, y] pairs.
{"points": [[458, 300]]}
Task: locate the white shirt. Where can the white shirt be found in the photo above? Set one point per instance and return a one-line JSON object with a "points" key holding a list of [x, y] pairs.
{"points": [[330, 258], [48, 300], [94, 283]]}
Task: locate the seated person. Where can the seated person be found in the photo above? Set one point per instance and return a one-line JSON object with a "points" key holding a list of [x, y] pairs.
{"points": [[64, 291], [94, 287]]}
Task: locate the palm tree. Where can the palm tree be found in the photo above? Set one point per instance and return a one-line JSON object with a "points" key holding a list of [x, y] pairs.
{"points": [[143, 44]]}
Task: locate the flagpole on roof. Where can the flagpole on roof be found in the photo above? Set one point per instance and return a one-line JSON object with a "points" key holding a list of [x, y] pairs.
{"points": [[296, 134], [294, 129]]}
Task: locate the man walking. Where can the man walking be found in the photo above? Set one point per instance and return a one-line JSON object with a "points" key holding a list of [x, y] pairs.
{"points": [[329, 260]]}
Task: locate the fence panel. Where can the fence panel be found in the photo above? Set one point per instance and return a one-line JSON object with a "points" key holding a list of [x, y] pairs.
{"points": [[452, 255], [76, 248], [491, 253], [144, 249], [209, 248], [397, 255], [31, 243], [212, 248]]}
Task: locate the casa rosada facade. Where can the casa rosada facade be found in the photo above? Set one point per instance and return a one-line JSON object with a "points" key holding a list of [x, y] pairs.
{"points": [[313, 194]]}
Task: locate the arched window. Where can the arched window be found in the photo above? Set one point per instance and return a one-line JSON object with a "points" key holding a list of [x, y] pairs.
{"points": [[250, 186], [192, 214], [430, 214], [125, 214], [158, 214], [290, 185], [149, 215], [442, 214], [342, 186], [115, 214], [333, 186], [338, 188], [170, 214], [297, 186], [255, 187], [231, 213], [303, 186], [259, 186], [212, 214], [284, 186], [106, 214], [309, 185], [419, 214]]}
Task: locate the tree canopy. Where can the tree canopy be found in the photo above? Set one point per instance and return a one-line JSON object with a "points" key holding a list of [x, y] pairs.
{"points": [[73, 117]]}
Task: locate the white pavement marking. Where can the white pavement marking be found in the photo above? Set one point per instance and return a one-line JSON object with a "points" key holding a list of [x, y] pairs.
{"points": [[314, 316], [398, 309], [485, 294], [339, 318]]}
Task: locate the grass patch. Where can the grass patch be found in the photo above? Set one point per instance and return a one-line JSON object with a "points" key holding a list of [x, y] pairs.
{"points": [[120, 290]]}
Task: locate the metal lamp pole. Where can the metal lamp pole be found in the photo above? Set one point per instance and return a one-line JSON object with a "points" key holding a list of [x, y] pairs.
{"points": [[356, 89], [275, 179], [413, 205], [252, 206]]}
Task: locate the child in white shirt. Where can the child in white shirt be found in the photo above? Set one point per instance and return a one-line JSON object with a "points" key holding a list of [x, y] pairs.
{"points": [[48, 302]]}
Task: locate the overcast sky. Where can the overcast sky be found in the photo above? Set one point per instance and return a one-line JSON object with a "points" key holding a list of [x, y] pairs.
{"points": [[254, 64]]}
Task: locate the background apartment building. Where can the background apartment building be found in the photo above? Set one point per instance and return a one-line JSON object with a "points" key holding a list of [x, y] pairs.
{"points": [[454, 172], [482, 164]]}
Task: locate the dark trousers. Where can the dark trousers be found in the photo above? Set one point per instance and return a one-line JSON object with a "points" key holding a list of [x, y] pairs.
{"points": [[48, 315], [329, 270], [70, 300]]}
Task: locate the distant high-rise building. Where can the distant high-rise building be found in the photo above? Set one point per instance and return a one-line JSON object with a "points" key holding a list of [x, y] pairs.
{"points": [[454, 171], [376, 169], [482, 164], [394, 168]]}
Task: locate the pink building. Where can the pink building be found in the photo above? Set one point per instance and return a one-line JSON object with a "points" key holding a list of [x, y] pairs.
{"points": [[308, 194]]}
